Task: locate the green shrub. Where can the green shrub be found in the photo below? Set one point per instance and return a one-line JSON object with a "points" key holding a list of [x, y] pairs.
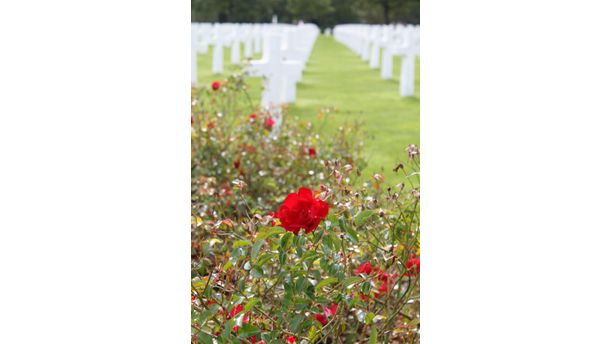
{"points": [[353, 278]]}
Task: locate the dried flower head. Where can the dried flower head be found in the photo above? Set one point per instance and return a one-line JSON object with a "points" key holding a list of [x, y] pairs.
{"points": [[413, 151]]}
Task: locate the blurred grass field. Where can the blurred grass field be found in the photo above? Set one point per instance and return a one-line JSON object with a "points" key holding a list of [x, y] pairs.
{"points": [[335, 77]]}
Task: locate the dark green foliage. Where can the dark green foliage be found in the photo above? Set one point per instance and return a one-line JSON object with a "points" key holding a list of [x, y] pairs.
{"points": [[325, 13]]}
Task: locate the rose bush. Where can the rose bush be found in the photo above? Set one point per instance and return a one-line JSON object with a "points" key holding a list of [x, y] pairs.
{"points": [[232, 148], [290, 243]]}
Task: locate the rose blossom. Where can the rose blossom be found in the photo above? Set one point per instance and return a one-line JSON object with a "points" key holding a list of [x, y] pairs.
{"points": [[312, 152], [302, 210], [413, 266], [215, 85], [365, 268], [269, 123], [327, 313]]}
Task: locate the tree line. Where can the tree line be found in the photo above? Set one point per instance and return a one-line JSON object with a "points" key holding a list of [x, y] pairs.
{"points": [[324, 13]]}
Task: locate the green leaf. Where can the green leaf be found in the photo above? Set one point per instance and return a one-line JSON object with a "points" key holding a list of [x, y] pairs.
{"points": [[328, 244], [365, 287], [300, 284], [265, 258], [227, 265], [373, 336], [205, 338], [309, 256], [295, 323], [351, 280], [267, 232], [256, 248], [282, 257], [241, 243], [250, 304], [325, 282], [352, 235], [257, 271], [313, 334], [285, 240], [248, 330], [362, 217], [369, 317], [206, 315]]}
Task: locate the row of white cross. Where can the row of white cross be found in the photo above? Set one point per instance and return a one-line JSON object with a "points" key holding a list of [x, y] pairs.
{"points": [[286, 50], [394, 40]]}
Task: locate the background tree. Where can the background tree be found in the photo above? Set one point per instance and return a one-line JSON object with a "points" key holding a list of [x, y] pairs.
{"points": [[325, 13]]}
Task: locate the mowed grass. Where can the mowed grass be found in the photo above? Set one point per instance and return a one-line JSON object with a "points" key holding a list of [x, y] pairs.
{"points": [[336, 77]]}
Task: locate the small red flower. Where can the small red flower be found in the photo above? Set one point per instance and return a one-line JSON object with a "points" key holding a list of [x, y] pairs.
{"points": [[252, 117], [210, 125], [414, 266], [321, 318], [291, 339], [237, 164], [302, 210], [312, 152], [381, 290], [327, 313], [382, 276], [365, 268], [387, 280], [215, 85], [234, 312], [269, 123]]}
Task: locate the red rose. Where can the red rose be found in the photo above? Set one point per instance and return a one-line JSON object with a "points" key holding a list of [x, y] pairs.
{"points": [[381, 290], [312, 152], [327, 313], [302, 210], [234, 312], [414, 266], [215, 85], [269, 123], [386, 280], [321, 318], [291, 339], [365, 268]]}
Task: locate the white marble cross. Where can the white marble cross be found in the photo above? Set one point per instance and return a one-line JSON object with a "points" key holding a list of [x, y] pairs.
{"points": [[375, 54], [388, 44], [235, 52], [217, 60], [194, 57], [407, 72], [365, 44], [257, 39], [247, 39], [279, 75]]}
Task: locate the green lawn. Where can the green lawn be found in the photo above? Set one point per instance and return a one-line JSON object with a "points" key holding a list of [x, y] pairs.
{"points": [[337, 77]]}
